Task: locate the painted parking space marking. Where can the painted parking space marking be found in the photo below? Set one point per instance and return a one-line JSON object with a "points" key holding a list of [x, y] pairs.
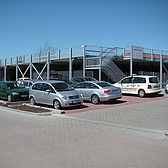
{"points": [[126, 100]]}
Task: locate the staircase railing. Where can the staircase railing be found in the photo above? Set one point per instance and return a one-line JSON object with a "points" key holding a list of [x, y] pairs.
{"points": [[105, 60]]}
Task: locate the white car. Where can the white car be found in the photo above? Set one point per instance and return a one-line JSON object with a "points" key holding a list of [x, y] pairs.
{"points": [[140, 85]]}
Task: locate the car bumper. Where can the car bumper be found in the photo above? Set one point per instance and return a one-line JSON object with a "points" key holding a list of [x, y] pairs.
{"points": [[72, 102], [153, 91], [20, 97], [110, 97]]}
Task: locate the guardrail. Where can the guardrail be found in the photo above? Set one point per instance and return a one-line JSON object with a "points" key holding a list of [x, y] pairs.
{"points": [[36, 57]]}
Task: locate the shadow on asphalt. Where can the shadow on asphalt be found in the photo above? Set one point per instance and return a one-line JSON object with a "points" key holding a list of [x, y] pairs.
{"points": [[147, 96], [113, 102]]}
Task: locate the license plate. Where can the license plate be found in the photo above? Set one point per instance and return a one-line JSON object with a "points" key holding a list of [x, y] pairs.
{"points": [[24, 95], [114, 91], [75, 101]]}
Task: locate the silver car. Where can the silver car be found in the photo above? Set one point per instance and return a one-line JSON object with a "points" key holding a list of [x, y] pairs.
{"points": [[56, 93], [98, 91]]}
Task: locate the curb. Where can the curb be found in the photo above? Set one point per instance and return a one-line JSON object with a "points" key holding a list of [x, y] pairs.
{"points": [[51, 113]]}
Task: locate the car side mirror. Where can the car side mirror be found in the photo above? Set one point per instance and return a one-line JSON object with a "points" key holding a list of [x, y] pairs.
{"points": [[48, 90]]}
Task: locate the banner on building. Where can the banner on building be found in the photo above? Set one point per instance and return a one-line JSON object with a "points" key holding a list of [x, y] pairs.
{"points": [[137, 52]]}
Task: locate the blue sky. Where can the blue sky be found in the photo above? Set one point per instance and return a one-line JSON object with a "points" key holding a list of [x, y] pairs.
{"points": [[26, 25]]}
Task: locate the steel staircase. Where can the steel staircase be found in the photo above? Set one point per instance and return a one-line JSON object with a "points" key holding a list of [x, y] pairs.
{"points": [[105, 59], [109, 67]]}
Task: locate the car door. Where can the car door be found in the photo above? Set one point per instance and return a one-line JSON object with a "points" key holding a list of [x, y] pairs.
{"points": [[81, 89], [138, 83], [37, 92], [3, 90], [126, 85], [90, 90], [48, 94]]}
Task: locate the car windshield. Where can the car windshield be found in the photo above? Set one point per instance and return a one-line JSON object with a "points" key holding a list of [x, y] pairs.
{"points": [[12, 85], [60, 87], [104, 84], [90, 79], [154, 80]]}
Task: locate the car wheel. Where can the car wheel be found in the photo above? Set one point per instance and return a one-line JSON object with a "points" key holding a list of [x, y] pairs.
{"points": [[9, 98], [95, 99], [57, 104], [141, 93], [32, 101]]}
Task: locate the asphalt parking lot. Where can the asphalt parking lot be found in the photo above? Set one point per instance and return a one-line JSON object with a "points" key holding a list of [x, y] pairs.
{"points": [[126, 100]]}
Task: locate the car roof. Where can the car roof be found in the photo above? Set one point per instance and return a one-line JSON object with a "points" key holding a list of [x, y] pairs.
{"points": [[94, 82], [50, 81], [8, 81], [143, 76]]}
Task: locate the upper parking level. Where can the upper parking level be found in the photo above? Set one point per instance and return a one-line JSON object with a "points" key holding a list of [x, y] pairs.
{"points": [[89, 52]]}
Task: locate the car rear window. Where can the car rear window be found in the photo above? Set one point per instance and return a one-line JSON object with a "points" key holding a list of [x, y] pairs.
{"points": [[104, 84], [12, 85], [90, 79], [153, 80]]}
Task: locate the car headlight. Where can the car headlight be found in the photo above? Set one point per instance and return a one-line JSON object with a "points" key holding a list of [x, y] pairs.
{"points": [[14, 93], [65, 97]]}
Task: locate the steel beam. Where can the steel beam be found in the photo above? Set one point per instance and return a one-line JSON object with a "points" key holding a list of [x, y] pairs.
{"points": [[31, 59], [84, 61], [131, 61], [48, 66], [161, 68], [70, 63], [16, 68]]}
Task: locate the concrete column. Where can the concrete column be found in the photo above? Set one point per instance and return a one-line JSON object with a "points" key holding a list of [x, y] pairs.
{"points": [[70, 63], [16, 68], [48, 66], [84, 61], [161, 68], [131, 61], [31, 60], [100, 74], [100, 67]]}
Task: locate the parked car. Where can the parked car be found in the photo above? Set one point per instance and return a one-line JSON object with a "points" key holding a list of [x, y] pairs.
{"points": [[140, 85], [98, 91], [26, 83], [70, 82], [83, 79], [11, 91], [166, 87], [56, 93]]}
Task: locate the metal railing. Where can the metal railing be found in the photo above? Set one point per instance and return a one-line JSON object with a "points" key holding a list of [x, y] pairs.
{"points": [[37, 58], [90, 52]]}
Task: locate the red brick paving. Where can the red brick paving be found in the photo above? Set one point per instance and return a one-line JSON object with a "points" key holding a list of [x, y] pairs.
{"points": [[126, 100]]}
